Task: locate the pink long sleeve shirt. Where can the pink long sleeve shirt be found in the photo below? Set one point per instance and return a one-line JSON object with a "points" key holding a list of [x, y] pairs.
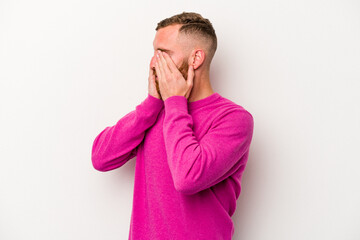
{"points": [[190, 157]]}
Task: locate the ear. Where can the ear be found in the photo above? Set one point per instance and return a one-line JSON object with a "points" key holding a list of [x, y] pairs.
{"points": [[197, 58]]}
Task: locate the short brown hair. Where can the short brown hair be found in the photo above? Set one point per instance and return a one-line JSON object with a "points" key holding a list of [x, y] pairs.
{"points": [[193, 23]]}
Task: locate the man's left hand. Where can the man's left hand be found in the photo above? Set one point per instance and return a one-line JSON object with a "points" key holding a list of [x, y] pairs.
{"points": [[171, 81]]}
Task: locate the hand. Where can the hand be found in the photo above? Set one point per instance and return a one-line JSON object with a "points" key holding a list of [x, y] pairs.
{"points": [[171, 81], [153, 87]]}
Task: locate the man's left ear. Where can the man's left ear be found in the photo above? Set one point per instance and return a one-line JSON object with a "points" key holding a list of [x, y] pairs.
{"points": [[197, 58]]}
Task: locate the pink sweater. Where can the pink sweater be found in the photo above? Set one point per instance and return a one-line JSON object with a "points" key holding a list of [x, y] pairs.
{"points": [[190, 157]]}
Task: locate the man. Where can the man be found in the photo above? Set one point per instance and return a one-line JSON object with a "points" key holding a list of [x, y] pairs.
{"points": [[191, 144]]}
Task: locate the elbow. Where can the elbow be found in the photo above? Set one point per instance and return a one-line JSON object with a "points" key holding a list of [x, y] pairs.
{"points": [[97, 158], [96, 162], [185, 187]]}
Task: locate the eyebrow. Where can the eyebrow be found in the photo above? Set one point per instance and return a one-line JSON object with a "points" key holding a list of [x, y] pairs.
{"points": [[164, 50]]}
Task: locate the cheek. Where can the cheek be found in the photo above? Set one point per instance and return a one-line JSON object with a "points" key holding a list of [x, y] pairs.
{"points": [[177, 61]]}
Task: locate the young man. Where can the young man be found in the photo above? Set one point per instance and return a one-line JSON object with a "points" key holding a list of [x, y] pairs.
{"points": [[191, 144]]}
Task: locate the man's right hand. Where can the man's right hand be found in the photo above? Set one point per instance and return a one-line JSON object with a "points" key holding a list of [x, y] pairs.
{"points": [[153, 85]]}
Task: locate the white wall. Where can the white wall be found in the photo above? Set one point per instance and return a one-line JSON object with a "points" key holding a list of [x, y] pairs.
{"points": [[70, 68]]}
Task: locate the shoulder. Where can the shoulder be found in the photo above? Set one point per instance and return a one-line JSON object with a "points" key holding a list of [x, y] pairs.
{"points": [[228, 110]]}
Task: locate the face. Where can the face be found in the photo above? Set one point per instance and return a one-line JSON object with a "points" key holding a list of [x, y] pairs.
{"points": [[166, 41]]}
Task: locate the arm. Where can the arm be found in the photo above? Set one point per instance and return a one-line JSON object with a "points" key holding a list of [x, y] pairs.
{"points": [[197, 165], [115, 145]]}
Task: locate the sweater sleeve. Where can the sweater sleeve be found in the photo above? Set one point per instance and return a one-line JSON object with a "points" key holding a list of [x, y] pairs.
{"points": [[117, 144], [197, 165]]}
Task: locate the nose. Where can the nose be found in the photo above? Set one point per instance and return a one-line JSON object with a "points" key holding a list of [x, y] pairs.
{"points": [[152, 63]]}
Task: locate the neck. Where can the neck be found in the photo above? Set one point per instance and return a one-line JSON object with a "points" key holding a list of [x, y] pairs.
{"points": [[201, 86]]}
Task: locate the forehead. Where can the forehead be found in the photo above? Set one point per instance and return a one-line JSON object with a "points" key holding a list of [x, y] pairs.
{"points": [[166, 37]]}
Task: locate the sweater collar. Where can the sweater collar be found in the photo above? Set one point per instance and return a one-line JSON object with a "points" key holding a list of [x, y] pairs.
{"points": [[203, 102]]}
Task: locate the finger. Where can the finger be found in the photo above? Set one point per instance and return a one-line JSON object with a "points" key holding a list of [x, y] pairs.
{"points": [[189, 81], [190, 78], [159, 72], [152, 80], [170, 62], [164, 63], [161, 67]]}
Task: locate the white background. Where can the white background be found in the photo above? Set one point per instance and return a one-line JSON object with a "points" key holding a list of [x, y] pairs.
{"points": [[70, 68]]}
